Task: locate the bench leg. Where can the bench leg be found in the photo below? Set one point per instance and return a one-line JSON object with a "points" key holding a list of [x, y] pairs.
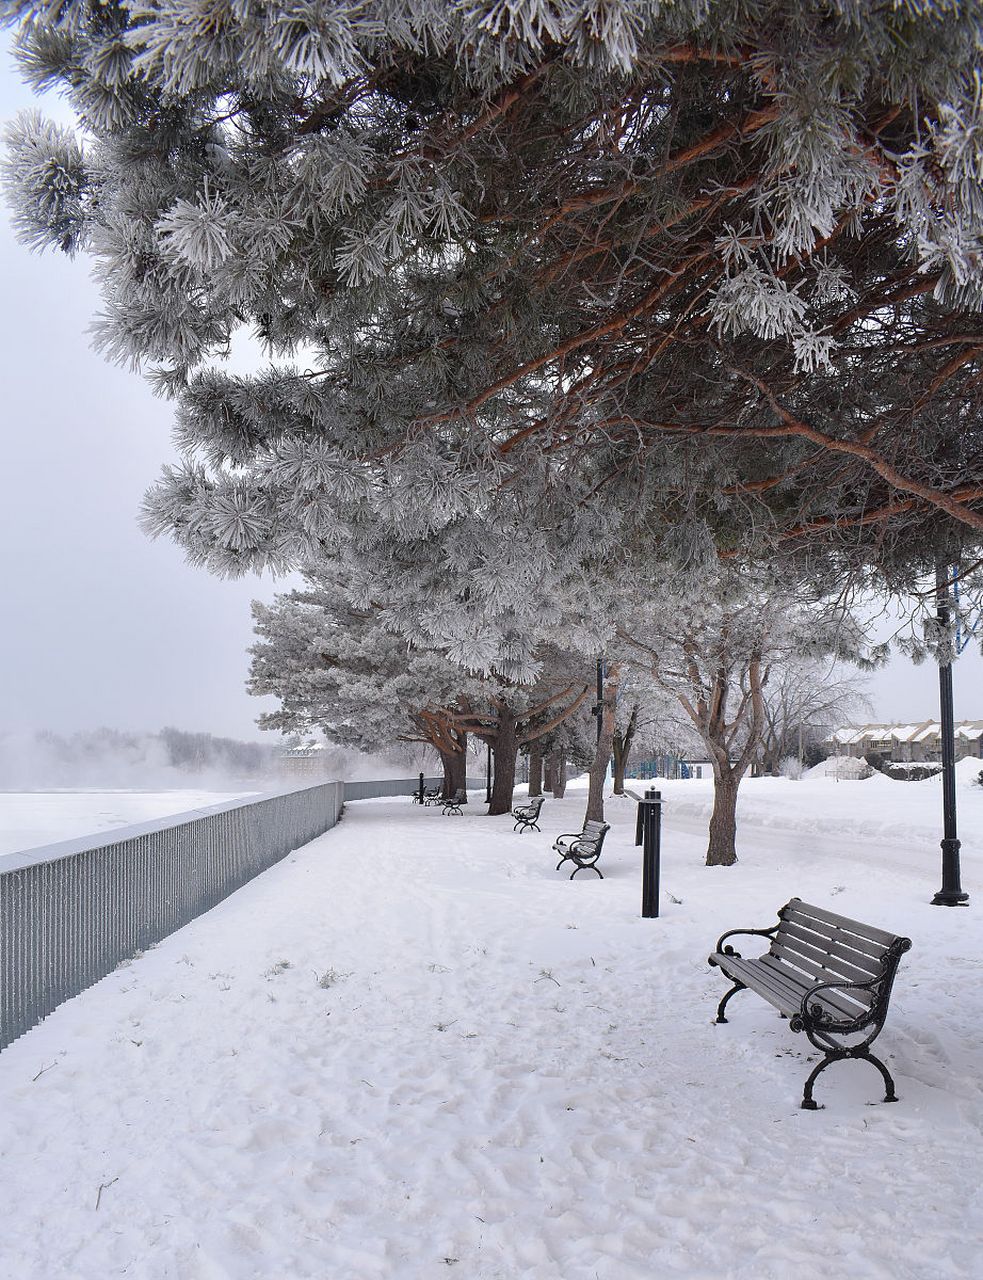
{"points": [[584, 867], [809, 1104], [738, 986]]}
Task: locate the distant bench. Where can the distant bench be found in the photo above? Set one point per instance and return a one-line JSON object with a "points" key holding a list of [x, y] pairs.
{"points": [[452, 804], [527, 815], [829, 975]]}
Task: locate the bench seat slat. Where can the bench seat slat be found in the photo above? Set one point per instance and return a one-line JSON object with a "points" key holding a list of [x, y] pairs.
{"points": [[798, 908], [839, 1004], [780, 989], [811, 974], [860, 962], [849, 1004], [784, 989], [825, 968]]}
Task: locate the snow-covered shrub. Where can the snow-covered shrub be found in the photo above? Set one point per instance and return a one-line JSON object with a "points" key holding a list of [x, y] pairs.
{"points": [[848, 768], [791, 767], [914, 771]]}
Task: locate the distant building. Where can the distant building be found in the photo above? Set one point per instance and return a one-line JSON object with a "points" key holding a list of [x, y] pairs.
{"points": [[904, 743], [304, 761]]}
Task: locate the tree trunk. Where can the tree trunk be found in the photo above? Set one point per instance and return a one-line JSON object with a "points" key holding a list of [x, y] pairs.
{"points": [[621, 749], [549, 772], [459, 772], [559, 776], [620, 760], [505, 749], [599, 765], [722, 850], [447, 759], [535, 769], [455, 765]]}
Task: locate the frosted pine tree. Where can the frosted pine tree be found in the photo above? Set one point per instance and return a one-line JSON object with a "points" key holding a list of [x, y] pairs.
{"points": [[344, 668], [624, 274]]}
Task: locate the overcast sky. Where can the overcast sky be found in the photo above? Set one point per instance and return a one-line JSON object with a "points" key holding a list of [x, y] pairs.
{"points": [[100, 625]]}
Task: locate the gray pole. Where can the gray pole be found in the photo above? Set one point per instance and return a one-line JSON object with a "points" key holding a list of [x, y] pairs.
{"points": [[951, 893]]}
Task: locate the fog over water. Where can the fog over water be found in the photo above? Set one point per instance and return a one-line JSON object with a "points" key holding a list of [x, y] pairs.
{"points": [[100, 626]]}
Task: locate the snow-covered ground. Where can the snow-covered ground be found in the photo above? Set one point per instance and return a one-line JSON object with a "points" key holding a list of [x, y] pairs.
{"points": [[414, 1049], [32, 818]]}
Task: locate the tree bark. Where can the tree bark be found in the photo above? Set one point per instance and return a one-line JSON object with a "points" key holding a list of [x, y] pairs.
{"points": [[447, 759], [455, 766], [599, 765], [459, 770], [535, 769], [549, 772], [621, 749], [505, 748], [559, 775], [722, 849]]}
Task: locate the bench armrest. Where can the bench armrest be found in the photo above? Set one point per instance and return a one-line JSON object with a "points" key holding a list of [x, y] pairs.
{"points": [[757, 933], [821, 1019], [569, 835]]}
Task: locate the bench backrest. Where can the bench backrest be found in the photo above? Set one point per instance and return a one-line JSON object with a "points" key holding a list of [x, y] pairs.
{"points": [[827, 947], [593, 832]]}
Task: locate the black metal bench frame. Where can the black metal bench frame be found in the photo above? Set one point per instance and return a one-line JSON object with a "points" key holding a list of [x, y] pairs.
{"points": [[432, 795], [829, 975], [527, 815], [582, 847], [452, 804]]}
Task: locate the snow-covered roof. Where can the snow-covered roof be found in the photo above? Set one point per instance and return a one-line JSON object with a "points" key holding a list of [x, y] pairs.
{"points": [[906, 732], [847, 735], [850, 734]]}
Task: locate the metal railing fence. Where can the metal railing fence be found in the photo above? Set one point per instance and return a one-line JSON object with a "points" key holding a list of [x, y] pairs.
{"points": [[70, 912]]}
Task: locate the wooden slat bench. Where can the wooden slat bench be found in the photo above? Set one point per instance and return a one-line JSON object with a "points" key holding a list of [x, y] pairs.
{"points": [[829, 975], [453, 803], [527, 815], [582, 847]]}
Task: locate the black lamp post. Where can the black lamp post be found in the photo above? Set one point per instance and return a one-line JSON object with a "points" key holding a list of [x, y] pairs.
{"points": [[598, 708], [951, 894], [488, 777]]}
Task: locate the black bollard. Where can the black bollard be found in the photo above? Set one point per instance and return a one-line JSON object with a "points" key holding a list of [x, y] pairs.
{"points": [[650, 814], [419, 797]]}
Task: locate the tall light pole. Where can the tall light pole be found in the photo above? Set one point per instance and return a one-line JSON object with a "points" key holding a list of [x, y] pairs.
{"points": [[951, 894], [598, 708]]}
